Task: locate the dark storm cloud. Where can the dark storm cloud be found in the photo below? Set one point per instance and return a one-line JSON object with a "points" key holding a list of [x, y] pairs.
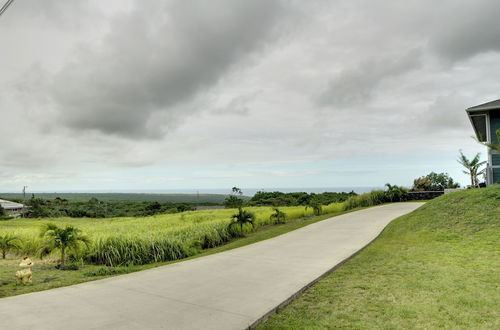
{"points": [[154, 58], [467, 28], [357, 85]]}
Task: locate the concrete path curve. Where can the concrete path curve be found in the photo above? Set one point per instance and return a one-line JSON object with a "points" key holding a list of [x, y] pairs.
{"points": [[229, 290]]}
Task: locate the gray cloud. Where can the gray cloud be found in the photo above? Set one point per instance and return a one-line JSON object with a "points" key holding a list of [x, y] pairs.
{"points": [[229, 87], [447, 112], [155, 57], [357, 85], [466, 28]]}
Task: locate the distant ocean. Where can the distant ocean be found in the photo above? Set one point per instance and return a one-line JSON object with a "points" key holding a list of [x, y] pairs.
{"points": [[224, 191]]}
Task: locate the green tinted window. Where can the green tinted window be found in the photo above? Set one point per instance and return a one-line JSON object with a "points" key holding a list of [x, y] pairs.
{"points": [[479, 123]]}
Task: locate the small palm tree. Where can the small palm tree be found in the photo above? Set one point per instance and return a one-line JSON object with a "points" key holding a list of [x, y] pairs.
{"points": [[315, 206], [241, 218], [395, 193], [492, 146], [472, 167], [62, 238], [278, 216], [8, 243]]}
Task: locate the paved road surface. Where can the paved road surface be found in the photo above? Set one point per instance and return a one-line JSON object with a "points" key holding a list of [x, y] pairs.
{"points": [[229, 290]]}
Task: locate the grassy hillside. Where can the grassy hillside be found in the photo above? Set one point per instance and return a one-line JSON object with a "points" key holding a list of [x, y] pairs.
{"points": [[438, 267], [120, 197]]}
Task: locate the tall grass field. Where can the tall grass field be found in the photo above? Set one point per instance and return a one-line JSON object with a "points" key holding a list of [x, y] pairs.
{"points": [[127, 241]]}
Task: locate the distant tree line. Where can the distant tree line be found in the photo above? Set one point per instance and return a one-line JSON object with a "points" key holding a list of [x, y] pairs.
{"points": [[94, 208], [277, 198]]}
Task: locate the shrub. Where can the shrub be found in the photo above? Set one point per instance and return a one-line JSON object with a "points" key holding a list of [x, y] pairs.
{"points": [[278, 217], [395, 193]]}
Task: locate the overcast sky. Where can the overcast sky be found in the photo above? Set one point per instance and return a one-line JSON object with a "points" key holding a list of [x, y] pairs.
{"points": [[124, 95]]}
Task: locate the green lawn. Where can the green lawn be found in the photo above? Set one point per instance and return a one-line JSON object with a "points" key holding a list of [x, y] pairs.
{"points": [[45, 276], [438, 267]]}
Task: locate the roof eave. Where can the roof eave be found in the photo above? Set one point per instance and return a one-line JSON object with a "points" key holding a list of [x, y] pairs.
{"points": [[476, 109]]}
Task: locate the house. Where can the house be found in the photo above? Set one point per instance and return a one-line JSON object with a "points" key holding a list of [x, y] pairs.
{"points": [[12, 208], [485, 119]]}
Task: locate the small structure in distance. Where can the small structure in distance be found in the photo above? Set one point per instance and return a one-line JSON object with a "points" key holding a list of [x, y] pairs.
{"points": [[485, 119], [12, 208]]}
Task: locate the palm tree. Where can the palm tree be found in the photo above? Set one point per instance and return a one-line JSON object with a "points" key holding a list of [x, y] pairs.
{"points": [[62, 238], [492, 146], [395, 193], [243, 217], [278, 216], [315, 206], [8, 243], [472, 167]]}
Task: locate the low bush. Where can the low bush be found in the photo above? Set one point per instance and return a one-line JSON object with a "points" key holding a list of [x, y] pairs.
{"points": [[376, 197]]}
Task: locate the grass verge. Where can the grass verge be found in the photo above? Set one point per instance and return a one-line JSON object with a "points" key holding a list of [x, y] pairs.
{"points": [[45, 276], [438, 267]]}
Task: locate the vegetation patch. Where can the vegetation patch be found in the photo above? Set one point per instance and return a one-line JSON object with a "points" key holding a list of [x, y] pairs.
{"points": [[437, 267], [131, 244], [46, 276]]}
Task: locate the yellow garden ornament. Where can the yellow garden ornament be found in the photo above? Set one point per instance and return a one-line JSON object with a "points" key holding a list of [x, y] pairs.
{"points": [[24, 275]]}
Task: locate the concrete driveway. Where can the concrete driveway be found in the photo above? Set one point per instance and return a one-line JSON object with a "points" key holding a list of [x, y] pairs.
{"points": [[229, 290]]}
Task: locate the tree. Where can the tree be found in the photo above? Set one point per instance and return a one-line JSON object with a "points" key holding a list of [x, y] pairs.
{"points": [[234, 200], [278, 216], [421, 184], [316, 206], [153, 208], [472, 167], [63, 239], [2, 211], [434, 182], [8, 243], [395, 193], [242, 218]]}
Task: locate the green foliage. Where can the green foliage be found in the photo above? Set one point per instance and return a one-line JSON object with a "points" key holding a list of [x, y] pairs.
{"points": [[62, 238], [114, 251], [278, 217], [234, 200], [316, 206], [2, 211], [434, 182], [493, 146], [395, 193], [203, 199], [8, 243], [472, 167], [242, 218], [278, 198], [94, 208], [376, 197]]}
